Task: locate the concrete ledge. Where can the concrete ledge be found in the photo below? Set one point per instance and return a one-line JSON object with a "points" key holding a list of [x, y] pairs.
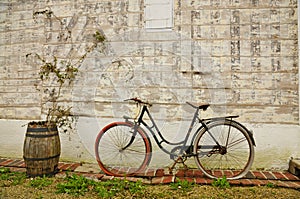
{"points": [[294, 166]]}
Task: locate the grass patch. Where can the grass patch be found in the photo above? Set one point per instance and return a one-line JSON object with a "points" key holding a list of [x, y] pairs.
{"points": [[16, 185], [78, 186], [117, 187], [75, 185], [40, 182], [9, 178]]}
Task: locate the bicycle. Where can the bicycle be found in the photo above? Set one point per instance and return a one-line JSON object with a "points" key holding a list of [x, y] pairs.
{"points": [[220, 146]]}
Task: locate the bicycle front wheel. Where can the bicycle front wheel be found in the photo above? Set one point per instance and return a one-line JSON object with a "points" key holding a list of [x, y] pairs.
{"points": [[122, 150], [224, 148]]}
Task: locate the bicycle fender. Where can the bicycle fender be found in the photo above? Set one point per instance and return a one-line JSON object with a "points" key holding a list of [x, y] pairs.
{"points": [[250, 133]]}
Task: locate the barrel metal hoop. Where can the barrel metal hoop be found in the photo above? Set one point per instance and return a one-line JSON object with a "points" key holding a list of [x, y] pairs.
{"points": [[41, 129], [40, 135], [40, 159]]}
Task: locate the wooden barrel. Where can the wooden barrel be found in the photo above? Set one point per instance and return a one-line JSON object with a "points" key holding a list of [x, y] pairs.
{"points": [[41, 149]]}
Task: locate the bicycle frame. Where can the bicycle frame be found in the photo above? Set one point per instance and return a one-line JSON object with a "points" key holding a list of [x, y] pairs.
{"points": [[183, 144], [229, 143]]}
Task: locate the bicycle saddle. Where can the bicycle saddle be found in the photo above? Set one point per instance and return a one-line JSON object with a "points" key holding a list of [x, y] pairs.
{"points": [[199, 106]]}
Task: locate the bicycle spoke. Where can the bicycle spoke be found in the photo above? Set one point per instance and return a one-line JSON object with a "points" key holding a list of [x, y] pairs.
{"points": [[119, 152], [235, 152]]}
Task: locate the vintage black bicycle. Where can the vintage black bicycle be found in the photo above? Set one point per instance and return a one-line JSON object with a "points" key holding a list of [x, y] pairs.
{"points": [[220, 146]]}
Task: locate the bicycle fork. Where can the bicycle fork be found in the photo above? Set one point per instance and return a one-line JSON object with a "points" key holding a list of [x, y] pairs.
{"points": [[134, 132]]}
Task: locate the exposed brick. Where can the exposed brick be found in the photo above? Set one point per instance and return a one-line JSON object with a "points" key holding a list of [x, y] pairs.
{"points": [[209, 181], [64, 166], [279, 175], [228, 173], [133, 179], [126, 170], [147, 181], [200, 180], [290, 184], [159, 172], [168, 179], [17, 169], [269, 175], [149, 173], [60, 164], [132, 170], [22, 165], [6, 162], [257, 182], [177, 179], [282, 184], [204, 181], [88, 175], [157, 180], [180, 173], [107, 177], [74, 166], [234, 182], [246, 182], [295, 185], [189, 173], [218, 173], [198, 173], [259, 175], [290, 176], [16, 163], [250, 174]]}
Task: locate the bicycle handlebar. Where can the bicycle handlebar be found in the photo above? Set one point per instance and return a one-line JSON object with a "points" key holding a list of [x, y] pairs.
{"points": [[198, 106], [139, 101]]}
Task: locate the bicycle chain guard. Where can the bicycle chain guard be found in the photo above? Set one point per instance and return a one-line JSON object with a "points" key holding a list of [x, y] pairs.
{"points": [[175, 152]]}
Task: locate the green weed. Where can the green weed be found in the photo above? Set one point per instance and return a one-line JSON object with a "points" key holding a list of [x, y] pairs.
{"points": [[4, 170], [75, 185], [79, 185], [40, 182], [271, 185], [221, 183], [183, 185], [108, 189]]}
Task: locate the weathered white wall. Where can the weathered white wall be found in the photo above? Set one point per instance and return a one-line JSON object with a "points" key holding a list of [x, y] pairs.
{"points": [[240, 56], [276, 144], [248, 49]]}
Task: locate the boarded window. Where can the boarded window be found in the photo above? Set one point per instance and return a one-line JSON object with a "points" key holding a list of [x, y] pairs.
{"points": [[158, 14]]}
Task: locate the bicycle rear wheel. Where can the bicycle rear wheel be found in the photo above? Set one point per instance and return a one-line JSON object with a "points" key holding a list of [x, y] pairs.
{"points": [[121, 150], [223, 149]]}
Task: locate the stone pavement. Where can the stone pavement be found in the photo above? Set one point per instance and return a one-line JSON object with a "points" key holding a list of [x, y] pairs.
{"points": [[159, 176]]}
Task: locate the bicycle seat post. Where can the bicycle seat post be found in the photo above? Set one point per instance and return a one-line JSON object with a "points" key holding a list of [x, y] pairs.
{"points": [[193, 120]]}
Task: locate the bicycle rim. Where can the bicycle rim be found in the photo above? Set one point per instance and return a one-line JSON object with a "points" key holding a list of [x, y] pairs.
{"points": [[235, 157], [112, 156]]}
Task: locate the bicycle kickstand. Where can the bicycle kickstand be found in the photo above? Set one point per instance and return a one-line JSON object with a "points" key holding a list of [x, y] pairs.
{"points": [[178, 160]]}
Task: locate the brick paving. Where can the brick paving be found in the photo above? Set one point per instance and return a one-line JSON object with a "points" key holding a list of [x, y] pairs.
{"points": [[159, 176]]}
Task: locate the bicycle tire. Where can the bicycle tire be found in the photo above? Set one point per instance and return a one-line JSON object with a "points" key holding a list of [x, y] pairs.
{"points": [[116, 161], [234, 160]]}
